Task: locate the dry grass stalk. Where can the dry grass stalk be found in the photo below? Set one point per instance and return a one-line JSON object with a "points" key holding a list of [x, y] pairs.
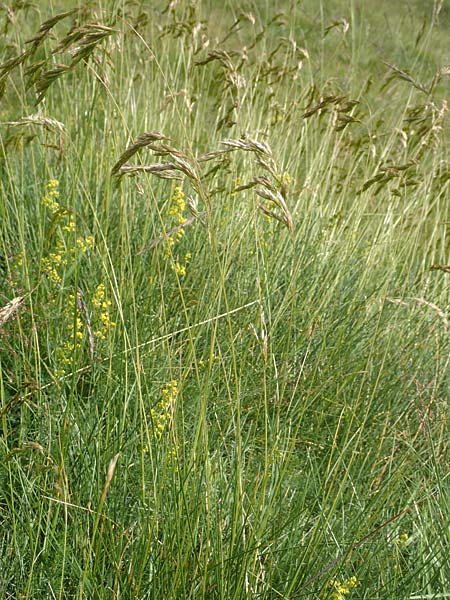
{"points": [[47, 123], [165, 150], [273, 191], [36, 41], [248, 145], [185, 167], [341, 23], [10, 64], [162, 170], [109, 476], [277, 199], [47, 78], [211, 156], [442, 268], [9, 310], [405, 76], [436, 308], [46, 27], [142, 141], [168, 234], [88, 37], [323, 103], [82, 307], [423, 302], [221, 56], [169, 98]]}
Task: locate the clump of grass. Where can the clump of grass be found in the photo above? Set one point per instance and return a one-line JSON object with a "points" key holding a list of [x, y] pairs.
{"points": [[223, 303]]}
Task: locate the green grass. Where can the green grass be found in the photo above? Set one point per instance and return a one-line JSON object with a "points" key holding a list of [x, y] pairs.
{"points": [[256, 407]]}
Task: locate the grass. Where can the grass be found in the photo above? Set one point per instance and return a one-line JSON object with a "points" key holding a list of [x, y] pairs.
{"points": [[224, 376]]}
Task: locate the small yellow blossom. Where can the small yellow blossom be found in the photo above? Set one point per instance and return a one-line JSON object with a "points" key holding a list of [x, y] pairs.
{"points": [[336, 590], [69, 227], [63, 252], [99, 295], [402, 540], [85, 244], [161, 415], [175, 212], [50, 195], [75, 335], [179, 269], [177, 205], [102, 304], [287, 179]]}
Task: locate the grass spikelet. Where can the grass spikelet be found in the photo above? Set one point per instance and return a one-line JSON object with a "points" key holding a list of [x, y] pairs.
{"points": [[47, 123], [341, 24], [248, 145], [169, 234], [443, 268], [277, 200], [8, 311], [46, 27], [142, 141], [162, 170], [88, 37], [405, 76], [12, 63], [46, 79]]}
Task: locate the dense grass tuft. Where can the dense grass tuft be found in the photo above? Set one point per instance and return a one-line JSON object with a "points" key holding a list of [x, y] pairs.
{"points": [[224, 300]]}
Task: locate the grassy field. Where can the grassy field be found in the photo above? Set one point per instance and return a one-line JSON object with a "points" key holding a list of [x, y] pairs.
{"points": [[224, 300]]}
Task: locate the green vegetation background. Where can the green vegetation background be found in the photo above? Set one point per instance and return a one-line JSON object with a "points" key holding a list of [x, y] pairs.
{"points": [[224, 367]]}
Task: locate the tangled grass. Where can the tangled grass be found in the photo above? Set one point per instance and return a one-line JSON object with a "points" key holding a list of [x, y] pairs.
{"points": [[224, 300]]}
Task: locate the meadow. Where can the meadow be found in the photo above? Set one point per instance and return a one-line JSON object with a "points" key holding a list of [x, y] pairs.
{"points": [[224, 300]]}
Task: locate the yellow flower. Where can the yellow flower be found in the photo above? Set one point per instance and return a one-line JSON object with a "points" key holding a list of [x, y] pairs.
{"points": [[51, 193], [100, 302], [336, 590], [70, 226], [177, 205], [162, 413], [180, 270], [402, 540]]}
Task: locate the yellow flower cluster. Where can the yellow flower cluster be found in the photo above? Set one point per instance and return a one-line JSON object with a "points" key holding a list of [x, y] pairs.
{"points": [[62, 253], [78, 325], [75, 335], [177, 205], [402, 540], [286, 179], [50, 197], [180, 267], [54, 261], [176, 217], [161, 415], [336, 590], [69, 227], [85, 244], [100, 302]]}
